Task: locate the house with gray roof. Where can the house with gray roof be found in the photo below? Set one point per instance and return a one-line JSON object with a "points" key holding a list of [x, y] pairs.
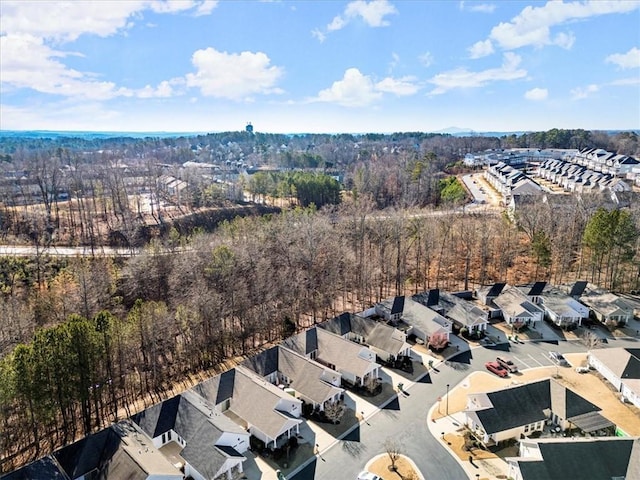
{"points": [[307, 379], [190, 430], [508, 413], [463, 313], [621, 367], [355, 362], [423, 322], [274, 419], [559, 308], [516, 308], [584, 458], [386, 341], [608, 307], [119, 451]]}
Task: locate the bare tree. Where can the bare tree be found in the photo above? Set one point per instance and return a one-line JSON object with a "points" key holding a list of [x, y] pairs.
{"points": [[394, 450], [591, 340]]}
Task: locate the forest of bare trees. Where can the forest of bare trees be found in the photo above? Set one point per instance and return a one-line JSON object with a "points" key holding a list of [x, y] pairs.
{"points": [[86, 341]]}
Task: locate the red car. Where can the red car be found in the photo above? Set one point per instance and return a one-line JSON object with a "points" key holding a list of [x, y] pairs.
{"points": [[495, 367]]}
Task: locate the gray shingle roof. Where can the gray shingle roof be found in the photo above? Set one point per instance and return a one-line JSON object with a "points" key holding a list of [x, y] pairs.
{"points": [[386, 338], [423, 317], [334, 350], [526, 404], [255, 400], [201, 427], [515, 406], [42, 469], [515, 303], [603, 459], [305, 375], [89, 453]]}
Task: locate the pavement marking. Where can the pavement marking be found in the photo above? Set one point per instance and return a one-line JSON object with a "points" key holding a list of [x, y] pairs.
{"points": [[523, 362], [539, 363]]}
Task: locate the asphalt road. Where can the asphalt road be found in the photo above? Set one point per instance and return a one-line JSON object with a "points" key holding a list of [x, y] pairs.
{"points": [[405, 418]]}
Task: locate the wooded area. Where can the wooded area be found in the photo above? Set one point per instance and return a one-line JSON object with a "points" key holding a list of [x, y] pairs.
{"points": [[85, 341]]}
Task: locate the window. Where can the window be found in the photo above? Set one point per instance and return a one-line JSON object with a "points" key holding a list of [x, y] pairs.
{"points": [[526, 428]]}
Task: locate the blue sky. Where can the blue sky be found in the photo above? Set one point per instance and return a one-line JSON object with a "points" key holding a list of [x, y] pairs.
{"points": [[319, 66]]}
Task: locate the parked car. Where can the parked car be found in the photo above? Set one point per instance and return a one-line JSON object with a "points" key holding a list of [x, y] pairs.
{"points": [[495, 367], [368, 476], [582, 369], [558, 358], [507, 363]]}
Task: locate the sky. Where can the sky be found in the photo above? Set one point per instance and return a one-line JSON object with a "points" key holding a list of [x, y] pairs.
{"points": [[319, 66]]}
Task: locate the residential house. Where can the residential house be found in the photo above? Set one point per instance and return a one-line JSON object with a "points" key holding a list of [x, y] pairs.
{"points": [[355, 362], [391, 309], [581, 458], [463, 313], [120, 451], [517, 309], [561, 309], [608, 308], [521, 410], [308, 380], [425, 324], [188, 428], [621, 367], [386, 341], [274, 419]]}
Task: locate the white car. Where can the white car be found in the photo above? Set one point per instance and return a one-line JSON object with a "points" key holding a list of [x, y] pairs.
{"points": [[558, 358], [582, 369], [368, 476]]}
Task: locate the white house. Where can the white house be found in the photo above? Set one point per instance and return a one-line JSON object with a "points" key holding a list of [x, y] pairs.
{"points": [[355, 362], [517, 308], [621, 367], [608, 308], [210, 445], [520, 410]]}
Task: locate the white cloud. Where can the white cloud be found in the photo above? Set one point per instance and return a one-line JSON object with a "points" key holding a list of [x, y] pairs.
{"points": [[631, 59], [400, 86], [463, 78], [532, 26], [233, 76], [206, 7], [316, 33], [426, 59], [28, 63], [66, 21], [164, 90], [625, 82], [373, 13], [536, 94], [580, 93], [481, 49], [354, 90], [477, 7], [358, 90], [33, 31]]}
